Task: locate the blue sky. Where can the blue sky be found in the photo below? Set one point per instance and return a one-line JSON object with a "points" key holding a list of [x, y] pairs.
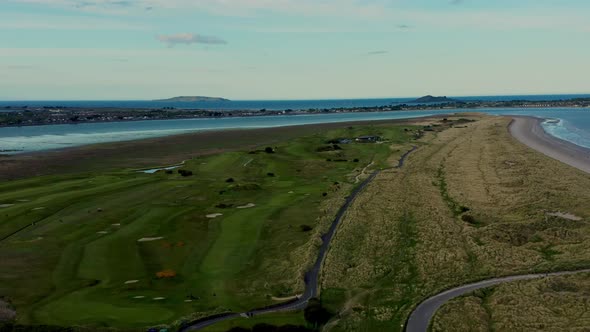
{"points": [[291, 49]]}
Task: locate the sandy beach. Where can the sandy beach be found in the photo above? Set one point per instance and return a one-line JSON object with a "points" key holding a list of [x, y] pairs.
{"points": [[528, 130]]}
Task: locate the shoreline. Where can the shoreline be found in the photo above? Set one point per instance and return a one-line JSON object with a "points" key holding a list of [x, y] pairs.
{"points": [[529, 131], [166, 150]]}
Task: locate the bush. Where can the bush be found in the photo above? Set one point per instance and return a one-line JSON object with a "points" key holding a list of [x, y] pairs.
{"points": [[185, 172], [268, 149], [324, 194], [356, 160], [230, 180], [305, 228], [468, 219], [315, 313], [271, 174]]}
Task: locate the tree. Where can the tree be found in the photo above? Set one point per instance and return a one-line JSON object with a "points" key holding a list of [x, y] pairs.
{"points": [[315, 313]]}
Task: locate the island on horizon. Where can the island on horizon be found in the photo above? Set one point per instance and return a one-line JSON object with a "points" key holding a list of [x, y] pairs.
{"points": [[433, 99], [191, 99]]}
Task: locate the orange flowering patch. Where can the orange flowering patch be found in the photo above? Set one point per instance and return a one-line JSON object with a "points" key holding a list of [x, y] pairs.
{"points": [[166, 274]]}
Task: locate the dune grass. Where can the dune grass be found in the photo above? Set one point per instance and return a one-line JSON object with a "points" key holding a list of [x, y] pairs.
{"points": [[71, 255], [548, 304], [480, 205]]}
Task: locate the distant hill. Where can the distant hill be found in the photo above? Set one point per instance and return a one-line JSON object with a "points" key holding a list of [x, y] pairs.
{"points": [[432, 99], [192, 99]]}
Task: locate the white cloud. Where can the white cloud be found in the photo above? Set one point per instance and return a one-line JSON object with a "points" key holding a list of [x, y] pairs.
{"points": [[38, 22], [351, 8], [190, 38]]}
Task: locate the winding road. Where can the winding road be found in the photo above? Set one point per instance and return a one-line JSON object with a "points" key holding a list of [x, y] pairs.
{"points": [[311, 277], [420, 318]]}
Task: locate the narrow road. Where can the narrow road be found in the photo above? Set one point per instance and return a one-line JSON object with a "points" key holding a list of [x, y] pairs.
{"points": [[311, 277], [420, 318]]}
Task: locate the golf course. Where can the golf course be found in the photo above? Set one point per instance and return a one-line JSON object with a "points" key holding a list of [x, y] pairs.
{"points": [[236, 231], [220, 233]]}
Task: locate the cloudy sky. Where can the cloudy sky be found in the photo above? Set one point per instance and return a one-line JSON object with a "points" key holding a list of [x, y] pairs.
{"points": [[291, 49]]}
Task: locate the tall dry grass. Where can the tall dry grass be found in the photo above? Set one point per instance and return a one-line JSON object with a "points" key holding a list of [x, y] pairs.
{"points": [[508, 189]]}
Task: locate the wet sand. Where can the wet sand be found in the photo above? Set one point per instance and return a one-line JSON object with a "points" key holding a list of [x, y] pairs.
{"points": [[528, 130]]}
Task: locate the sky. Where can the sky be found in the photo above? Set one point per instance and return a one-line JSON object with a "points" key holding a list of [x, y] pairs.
{"points": [[291, 49]]}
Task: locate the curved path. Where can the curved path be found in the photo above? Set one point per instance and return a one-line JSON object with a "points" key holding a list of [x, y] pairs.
{"points": [[311, 277], [420, 318]]}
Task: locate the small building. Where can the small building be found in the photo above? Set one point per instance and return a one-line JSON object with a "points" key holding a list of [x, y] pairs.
{"points": [[368, 139]]}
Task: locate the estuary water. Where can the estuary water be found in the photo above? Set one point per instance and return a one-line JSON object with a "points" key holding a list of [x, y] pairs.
{"points": [[573, 126]]}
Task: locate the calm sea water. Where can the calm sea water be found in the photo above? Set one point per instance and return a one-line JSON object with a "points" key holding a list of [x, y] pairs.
{"points": [[267, 104], [574, 127]]}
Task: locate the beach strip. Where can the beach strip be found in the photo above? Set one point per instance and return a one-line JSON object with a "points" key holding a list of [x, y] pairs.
{"points": [[529, 131]]}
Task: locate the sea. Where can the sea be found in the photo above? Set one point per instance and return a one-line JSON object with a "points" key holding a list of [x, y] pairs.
{"points": [[570, 124]]}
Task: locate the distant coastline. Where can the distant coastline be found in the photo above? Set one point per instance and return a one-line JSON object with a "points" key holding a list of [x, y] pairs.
{"points": [[18, 116], [191, 99]]}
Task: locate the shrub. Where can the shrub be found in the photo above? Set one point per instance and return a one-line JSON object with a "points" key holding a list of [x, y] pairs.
{"points": [[230, 180], [468, 219], [270, 174], [185, 172], [305, 228], [356, 160], [268, 149], [166, 274], [324, 194], [315, 313]]}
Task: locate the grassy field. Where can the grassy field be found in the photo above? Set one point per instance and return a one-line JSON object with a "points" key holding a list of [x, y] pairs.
{"points": [[129, 250], [549, 304], [471, 203]]}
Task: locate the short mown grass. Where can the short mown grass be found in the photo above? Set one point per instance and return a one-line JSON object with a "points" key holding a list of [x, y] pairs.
{"points": [[75, 258]]}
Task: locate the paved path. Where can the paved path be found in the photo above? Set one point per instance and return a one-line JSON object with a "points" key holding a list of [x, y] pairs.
{"points": [[311, 277], [420, 318]]}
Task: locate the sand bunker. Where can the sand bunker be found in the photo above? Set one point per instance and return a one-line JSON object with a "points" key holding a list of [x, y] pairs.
{"points": [[289, 298], [38, 208], [139, 297], [117, 225], [5, 205], [563, 215], [159, 298], [187, 301], [129, 282], [102, 232], [149, 239], [214, 215], [247, 206]]}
